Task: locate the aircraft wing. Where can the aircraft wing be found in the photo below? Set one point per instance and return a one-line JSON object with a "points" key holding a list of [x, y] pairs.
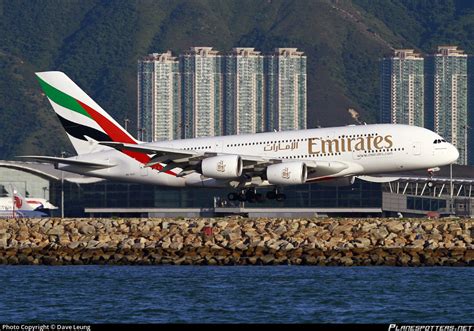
{"points": [[188, 160], [160, 154], [67, 161], [379, 179], [148, 150], [327, 170]]}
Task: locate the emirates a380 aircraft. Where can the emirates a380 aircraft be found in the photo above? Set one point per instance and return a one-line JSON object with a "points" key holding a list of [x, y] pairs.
{"points": [[334, 155]]}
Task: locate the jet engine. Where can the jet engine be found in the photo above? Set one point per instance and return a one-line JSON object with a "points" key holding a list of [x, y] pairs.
{"points": [[343, 181], [222, 166], [287, 173]]}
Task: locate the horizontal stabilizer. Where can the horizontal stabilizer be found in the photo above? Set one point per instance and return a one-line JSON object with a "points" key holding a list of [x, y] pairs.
{"points": [[68, 161], [85, 180]]}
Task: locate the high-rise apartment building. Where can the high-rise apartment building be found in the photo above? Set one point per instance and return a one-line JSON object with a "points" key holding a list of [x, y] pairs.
{"points": [[244, 92], [402, 88], [285, 93], [201, 69], [159, 98], [447, 77], [203, 93]]}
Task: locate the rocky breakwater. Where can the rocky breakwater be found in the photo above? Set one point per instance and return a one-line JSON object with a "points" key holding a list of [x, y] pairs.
{"points": [[232, 241]]}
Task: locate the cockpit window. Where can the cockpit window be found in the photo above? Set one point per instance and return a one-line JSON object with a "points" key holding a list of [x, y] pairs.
{"points": [[439, 141]]}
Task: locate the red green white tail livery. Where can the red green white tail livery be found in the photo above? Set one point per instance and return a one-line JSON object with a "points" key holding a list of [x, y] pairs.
{"points": [[83, 119]]}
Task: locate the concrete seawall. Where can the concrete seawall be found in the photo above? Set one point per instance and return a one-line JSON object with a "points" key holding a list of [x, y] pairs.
{"points": [[238, 241]]}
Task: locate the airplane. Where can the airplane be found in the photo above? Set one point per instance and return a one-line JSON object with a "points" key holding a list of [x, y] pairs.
{"points": [[17, 206], [243, 163], [40, 204]]}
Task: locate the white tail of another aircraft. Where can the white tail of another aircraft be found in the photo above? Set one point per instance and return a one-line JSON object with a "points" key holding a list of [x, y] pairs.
{"points": [[19, 202]]}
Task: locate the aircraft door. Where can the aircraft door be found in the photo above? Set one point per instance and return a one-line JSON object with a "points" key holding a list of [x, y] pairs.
{"points": [[143, 170], [219, 146], [416, 148], [356, 155]]}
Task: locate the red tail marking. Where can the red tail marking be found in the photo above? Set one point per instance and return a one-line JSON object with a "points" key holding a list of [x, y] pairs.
{"points": [[18, 202], [118, 135]]}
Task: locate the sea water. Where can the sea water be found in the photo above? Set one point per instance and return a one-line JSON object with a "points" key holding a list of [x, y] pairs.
{"points": [[236, 294]]}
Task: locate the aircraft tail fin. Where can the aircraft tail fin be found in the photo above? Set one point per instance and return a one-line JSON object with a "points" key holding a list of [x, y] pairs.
{"points": [[19, 202], [85, 122]]}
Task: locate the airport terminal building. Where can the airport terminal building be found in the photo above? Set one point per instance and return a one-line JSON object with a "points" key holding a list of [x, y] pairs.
{"points": [[410, 194]]}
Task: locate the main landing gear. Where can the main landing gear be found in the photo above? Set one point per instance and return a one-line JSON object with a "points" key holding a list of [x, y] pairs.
{"points": [[251, 195], [276, 195]]}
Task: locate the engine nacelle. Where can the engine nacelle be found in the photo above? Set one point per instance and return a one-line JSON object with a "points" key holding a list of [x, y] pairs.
{"points": [[287, 173], [343, 181], [222, 166]]}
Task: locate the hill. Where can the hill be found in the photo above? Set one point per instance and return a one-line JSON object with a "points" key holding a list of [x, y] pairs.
{"points": [[97, 43]]}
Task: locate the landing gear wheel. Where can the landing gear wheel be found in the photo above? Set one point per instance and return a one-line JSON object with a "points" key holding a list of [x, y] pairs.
{"points": [[259, 197], [271, 195], [280, 197], [250, 196], [232, 196]]}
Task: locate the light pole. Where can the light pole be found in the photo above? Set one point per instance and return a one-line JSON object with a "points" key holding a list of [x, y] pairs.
{"points": [[466, 127], [62, 188], [13, 200], [126, 123], [45, 188], [451, 209]]}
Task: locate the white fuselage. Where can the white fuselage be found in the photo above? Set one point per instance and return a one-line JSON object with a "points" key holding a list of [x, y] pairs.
{"points": [[369, 149], [10, 208]]}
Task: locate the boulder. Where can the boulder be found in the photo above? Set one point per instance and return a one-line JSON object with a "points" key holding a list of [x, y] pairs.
{"points": [[379, 232], [176, 245], [267, 259], [280, 230], [469, 255], [395, 227], [418, 244], [92, 244], [362, 243], [346, 260], [366, 227], [56, 231], [427, 226], [87, 229], [391, 237]]}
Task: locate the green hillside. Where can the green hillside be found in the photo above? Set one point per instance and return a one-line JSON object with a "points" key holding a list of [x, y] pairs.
{"points": [[97, 43]]}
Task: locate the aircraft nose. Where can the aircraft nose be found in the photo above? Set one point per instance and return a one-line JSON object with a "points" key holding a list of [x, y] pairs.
{"points": [[453, 153]]}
